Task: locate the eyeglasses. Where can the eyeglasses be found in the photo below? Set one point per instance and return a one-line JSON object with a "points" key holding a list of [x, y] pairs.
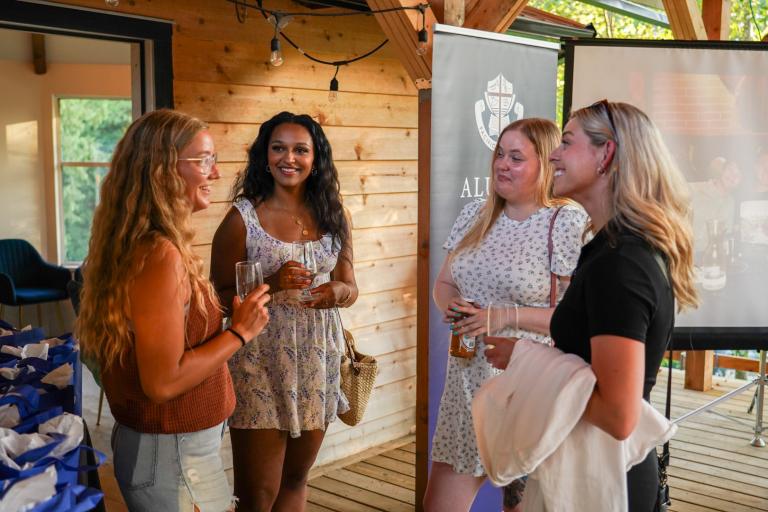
{"points": [[206, 163], [604, 103]]}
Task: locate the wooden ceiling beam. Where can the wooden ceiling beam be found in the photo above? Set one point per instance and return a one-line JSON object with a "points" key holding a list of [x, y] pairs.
{"points": [[401, 28], [450, 12], [453, 12], [716, 15], [685, 19], [38, 54], [494, 15]]}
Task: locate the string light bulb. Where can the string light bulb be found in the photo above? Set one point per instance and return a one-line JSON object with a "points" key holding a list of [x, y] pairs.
{"points": [[333, 89], [279, 21], [421, 48], [275, 55], [422, 36]]}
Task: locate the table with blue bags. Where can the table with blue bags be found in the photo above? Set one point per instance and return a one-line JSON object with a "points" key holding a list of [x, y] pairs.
{"points": [[46, 462]]}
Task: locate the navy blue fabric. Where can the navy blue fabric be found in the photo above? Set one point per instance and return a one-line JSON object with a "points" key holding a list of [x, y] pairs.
{"points": [[39, 295], [70, 398], [25, 278], [21, 338], [70, 498]]}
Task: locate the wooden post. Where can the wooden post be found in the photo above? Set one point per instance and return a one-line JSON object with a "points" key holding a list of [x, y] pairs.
{"points": [[38, 54], [716, 14], [685, 19], [698, 369], [423, 298], [454, 12]]}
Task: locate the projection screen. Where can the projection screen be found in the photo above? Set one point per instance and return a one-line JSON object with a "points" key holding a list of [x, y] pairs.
{"points": [[710, 101]]}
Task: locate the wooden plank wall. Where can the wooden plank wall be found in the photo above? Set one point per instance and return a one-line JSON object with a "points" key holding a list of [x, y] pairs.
{"points": [[222, 75]]}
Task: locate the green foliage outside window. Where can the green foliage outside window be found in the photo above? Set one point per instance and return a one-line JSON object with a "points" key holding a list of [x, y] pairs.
{"points": [[89, 130]]}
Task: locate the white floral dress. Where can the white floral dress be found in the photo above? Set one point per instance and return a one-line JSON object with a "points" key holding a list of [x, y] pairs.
{"points": [[510, 265], [288, 379]]}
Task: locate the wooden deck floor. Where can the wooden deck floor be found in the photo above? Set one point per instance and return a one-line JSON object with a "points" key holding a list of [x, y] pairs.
{"points": [[713, 465], [383, 479], [713, 468]]}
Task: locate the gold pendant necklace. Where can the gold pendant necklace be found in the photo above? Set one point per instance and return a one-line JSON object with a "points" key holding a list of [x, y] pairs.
{"points": [[297, 220]]}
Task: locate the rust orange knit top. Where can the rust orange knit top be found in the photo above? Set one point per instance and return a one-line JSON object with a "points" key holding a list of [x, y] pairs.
{"points": [[204, 406]]}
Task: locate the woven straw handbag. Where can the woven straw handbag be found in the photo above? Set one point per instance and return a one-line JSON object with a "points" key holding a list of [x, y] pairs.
{"points": [[358, 373]]}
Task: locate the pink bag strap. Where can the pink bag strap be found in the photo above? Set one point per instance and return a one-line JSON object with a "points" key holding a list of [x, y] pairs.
{"points": [[550, 250]]}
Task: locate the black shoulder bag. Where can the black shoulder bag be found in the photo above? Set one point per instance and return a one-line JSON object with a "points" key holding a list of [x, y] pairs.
{"points": [[662, 499]]}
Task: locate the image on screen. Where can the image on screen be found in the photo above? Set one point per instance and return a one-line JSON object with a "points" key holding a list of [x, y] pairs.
{"points": [[711, 106]]}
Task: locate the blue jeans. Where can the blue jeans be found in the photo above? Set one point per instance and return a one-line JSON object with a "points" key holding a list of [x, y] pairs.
{"points": [[171, 472]]}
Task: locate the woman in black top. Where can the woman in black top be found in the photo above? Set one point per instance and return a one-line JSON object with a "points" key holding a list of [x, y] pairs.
{"points": [[618, 311]]}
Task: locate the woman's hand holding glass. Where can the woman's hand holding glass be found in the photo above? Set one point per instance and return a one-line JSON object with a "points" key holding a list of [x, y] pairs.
{"points": [[293, 276], [249, 316]]}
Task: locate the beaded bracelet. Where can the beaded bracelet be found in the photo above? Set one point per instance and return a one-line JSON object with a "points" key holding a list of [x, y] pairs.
{"points": [[237, 334]]}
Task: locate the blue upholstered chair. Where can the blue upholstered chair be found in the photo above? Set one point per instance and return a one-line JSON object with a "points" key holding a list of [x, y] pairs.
{"points": [[26, 279]]}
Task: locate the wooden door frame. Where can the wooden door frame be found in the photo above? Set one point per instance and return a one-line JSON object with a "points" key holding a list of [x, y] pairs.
{"points": [[152, 35]]}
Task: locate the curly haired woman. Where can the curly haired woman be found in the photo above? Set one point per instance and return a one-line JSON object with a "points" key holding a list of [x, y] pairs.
{"points": [[153, 322]]}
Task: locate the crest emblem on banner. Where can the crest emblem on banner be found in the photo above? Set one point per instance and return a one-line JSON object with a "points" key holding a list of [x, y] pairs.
{"points": [[492, 113]]}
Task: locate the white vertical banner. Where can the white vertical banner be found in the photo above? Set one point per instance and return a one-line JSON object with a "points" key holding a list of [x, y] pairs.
{"points": [[481, 82]]}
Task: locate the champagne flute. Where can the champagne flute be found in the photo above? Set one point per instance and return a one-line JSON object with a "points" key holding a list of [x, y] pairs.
{"points": [[303, 251], [248, 276]]}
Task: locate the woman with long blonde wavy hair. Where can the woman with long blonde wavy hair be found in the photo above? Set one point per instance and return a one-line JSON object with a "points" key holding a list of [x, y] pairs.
{"points": [[498, 252], [152, 321], [618, 311]]}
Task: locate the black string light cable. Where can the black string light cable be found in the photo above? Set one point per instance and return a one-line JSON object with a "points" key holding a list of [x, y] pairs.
{"points": [[240, 13], [268, 12], [280, 18], [754, 20]]}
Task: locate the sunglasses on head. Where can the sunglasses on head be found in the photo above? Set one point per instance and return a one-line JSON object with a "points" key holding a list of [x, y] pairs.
{"points": [[607, 107]]}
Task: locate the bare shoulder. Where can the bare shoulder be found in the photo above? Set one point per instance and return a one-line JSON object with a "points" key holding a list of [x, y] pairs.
{"points": [[232, 226], [157, 260]]}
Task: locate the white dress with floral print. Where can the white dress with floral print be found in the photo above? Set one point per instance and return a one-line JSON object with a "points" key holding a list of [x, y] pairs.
{"points": [[510, 265], [288, 379]]}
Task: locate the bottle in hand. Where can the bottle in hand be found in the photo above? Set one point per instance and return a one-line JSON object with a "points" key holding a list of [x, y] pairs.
{"points": [[462, 345]]}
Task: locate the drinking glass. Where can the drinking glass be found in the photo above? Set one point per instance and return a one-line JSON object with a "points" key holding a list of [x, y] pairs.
{"points": [[501, 321], [247, 277], [303, 251]]}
